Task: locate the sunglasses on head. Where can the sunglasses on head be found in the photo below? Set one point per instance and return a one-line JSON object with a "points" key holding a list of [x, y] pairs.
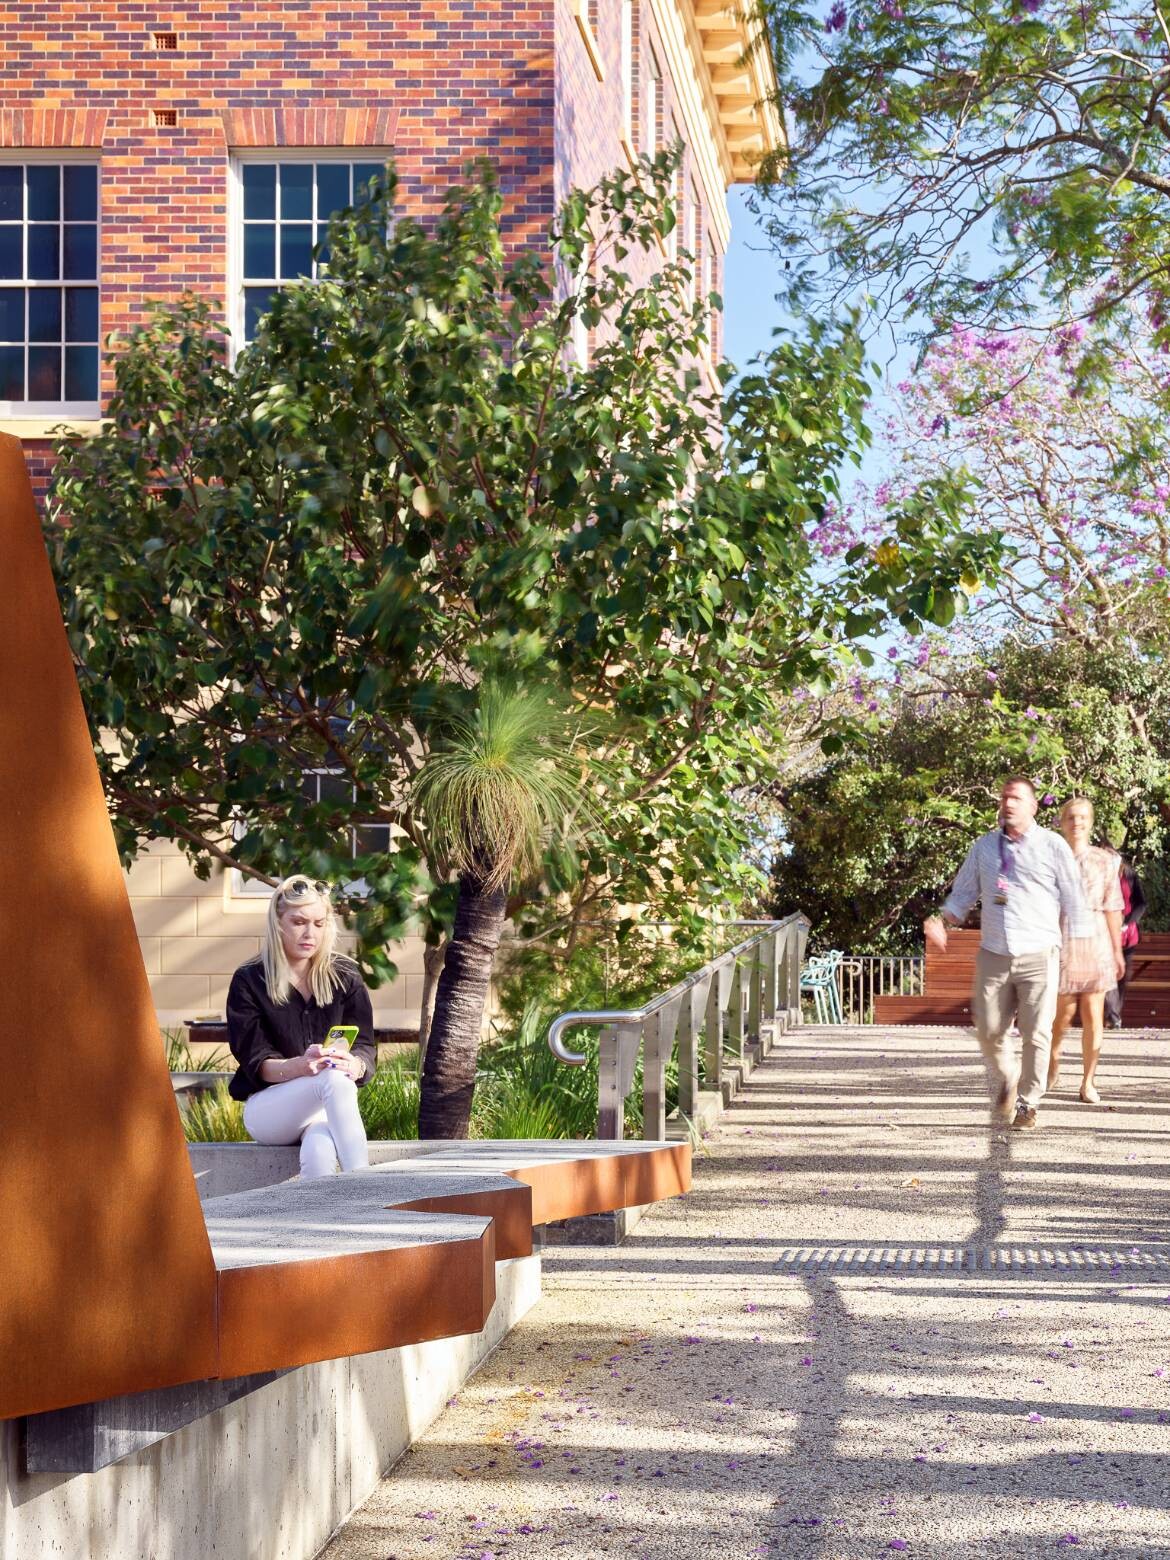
{"points": [[302, 885]]}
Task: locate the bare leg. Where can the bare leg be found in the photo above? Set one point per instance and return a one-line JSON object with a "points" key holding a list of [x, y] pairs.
{"points": [[1066, 1006], [1092, 1024]]}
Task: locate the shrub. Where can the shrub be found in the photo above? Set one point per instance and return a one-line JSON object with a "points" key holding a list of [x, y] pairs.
{"points": [[212, 1116], [389, 1102]]}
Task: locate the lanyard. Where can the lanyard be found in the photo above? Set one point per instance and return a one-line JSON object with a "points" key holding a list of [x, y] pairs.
{"points": [[1003, 844]]}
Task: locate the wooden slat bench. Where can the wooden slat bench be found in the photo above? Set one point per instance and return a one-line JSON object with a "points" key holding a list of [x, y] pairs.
{"points": [[949, 975]]}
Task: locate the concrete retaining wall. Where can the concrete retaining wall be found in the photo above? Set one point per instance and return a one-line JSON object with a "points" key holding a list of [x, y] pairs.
{"points": [[267, 1478]]}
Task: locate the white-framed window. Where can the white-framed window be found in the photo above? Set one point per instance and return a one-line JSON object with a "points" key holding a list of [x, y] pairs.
{"points": [[651, 101], [580, 340], [690, 204], [322, 785], [280, 210], [49, 313], [675, 197], [626, 22]]}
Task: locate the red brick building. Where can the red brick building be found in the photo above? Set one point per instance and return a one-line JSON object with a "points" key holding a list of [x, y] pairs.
{"points": [[147, 149]]}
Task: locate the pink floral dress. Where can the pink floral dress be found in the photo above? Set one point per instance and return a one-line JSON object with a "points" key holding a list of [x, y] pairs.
{"points": [[1086, 964]]}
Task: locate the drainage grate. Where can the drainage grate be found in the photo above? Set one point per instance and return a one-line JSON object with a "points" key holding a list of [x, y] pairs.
{"points": [[1076, 1261]]}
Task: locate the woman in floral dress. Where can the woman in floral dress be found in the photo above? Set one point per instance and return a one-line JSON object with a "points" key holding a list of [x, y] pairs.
{"points": [[1089, 967]]}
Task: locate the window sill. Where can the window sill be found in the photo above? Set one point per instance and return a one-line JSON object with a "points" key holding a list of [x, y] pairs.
{"points": [[50, 427], [589, 39]]}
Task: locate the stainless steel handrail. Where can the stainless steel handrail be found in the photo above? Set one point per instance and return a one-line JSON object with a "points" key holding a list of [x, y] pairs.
{"points": [[635, 1016]]}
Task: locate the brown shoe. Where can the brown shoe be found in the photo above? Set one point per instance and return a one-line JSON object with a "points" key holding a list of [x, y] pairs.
{"points": [[1005, 1100], [1025, 1118]]}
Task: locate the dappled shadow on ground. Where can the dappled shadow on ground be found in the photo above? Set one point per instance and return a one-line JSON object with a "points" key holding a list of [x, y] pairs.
{"points": [[685, 1396]]}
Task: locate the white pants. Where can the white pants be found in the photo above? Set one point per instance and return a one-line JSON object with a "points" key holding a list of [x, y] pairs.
{"points": [[320, 1112]]}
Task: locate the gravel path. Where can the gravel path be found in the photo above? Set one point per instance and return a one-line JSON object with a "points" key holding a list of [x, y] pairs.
{"points": [[787, 1362]]}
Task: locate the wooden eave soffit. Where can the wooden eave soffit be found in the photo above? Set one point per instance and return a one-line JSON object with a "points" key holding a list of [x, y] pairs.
{"points": [[739, 66]]}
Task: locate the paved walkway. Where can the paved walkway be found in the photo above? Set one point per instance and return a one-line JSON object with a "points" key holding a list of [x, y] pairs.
{"points": [[812, 1355]]}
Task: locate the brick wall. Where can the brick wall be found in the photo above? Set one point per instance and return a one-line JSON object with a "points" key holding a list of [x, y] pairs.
{"points": [[439, 82], [589, 115]]}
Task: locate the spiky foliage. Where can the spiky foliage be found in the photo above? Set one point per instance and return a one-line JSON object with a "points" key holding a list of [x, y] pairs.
{"points": [[507, 777]]}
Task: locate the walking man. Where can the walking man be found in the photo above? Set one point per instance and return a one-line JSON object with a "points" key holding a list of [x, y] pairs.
{"points": [[1024, 877]]}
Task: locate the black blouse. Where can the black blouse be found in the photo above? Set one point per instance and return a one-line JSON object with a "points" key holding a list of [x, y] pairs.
{"points": [[258, 1028]]}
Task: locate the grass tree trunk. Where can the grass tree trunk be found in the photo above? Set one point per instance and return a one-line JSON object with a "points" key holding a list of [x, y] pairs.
{"points": [[448, 1079]]}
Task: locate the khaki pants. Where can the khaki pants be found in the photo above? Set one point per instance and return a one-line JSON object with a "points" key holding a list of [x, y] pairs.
{"points": [[1023, 988]]}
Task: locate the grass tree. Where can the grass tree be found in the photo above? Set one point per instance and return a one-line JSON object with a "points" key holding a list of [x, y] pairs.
{"points": [[498, 785]]}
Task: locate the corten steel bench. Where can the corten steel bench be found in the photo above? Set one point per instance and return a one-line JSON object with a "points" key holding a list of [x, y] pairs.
{"points": [[117, 1280], [947, 995]]}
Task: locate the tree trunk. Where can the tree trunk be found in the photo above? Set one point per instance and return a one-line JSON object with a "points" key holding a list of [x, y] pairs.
{"points": [[433, 956], [448, 1078]]}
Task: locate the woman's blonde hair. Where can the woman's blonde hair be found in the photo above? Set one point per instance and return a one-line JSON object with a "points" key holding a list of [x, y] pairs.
{"points": [[324, 978], [1074, 801]]}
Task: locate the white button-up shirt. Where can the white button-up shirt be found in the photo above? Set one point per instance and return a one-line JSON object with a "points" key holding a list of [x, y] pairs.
{"points": [[1038, 877]]}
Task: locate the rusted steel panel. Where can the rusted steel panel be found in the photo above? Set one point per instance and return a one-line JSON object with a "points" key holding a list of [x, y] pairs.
{"points": [[108, 1283], [511, 1211], [571, 1188], [293, 1313]]}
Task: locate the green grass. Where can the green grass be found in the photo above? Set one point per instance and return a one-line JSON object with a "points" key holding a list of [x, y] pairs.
{"points": [[212, 1116], [389, 1102]]}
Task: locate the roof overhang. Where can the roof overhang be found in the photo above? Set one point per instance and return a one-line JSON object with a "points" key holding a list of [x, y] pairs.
{"points": [[733, 45]]}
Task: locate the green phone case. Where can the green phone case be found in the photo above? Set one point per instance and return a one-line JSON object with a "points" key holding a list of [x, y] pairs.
{"points": [[342, 1034]]}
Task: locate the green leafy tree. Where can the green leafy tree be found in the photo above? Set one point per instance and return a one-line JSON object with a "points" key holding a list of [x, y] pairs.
{"points": [[874, 836], [303, 561], [984, 165]]}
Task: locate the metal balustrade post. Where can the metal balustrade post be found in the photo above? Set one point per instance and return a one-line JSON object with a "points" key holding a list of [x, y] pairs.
{"points": [[657, 1045], [713, 1028], [735, 1016], [771, 980], [617, 1059], [691, 1015], [755, 974]]}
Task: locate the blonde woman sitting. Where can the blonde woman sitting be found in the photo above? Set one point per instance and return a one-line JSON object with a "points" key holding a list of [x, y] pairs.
{"points": [[1089, 967], [296, 1087]]}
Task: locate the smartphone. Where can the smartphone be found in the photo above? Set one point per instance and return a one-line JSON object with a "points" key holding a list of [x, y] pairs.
{"points": [[342, 1034]]}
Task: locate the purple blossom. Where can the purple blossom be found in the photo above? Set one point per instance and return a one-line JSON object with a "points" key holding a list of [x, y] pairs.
{"points": [[837, 18]]}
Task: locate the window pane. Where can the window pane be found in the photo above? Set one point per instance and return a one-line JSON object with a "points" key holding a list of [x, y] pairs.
{"points": [[332, 189], [11, 194], [260, 249], [296, 190], [44, 194], [336, 788], [296, 250], [11, 313], [44, 244], [259, 190], [80, 194], [11, 373], [44, 373], [362, 174], [81, 373], [81, 250], [371, 838], [81, 314], [322, 255], [10, 256], [257, 301], [44, 314]]}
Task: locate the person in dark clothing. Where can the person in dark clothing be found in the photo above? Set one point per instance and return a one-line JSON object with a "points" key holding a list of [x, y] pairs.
{"points": [[296, 1087], [1134, 901]]}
